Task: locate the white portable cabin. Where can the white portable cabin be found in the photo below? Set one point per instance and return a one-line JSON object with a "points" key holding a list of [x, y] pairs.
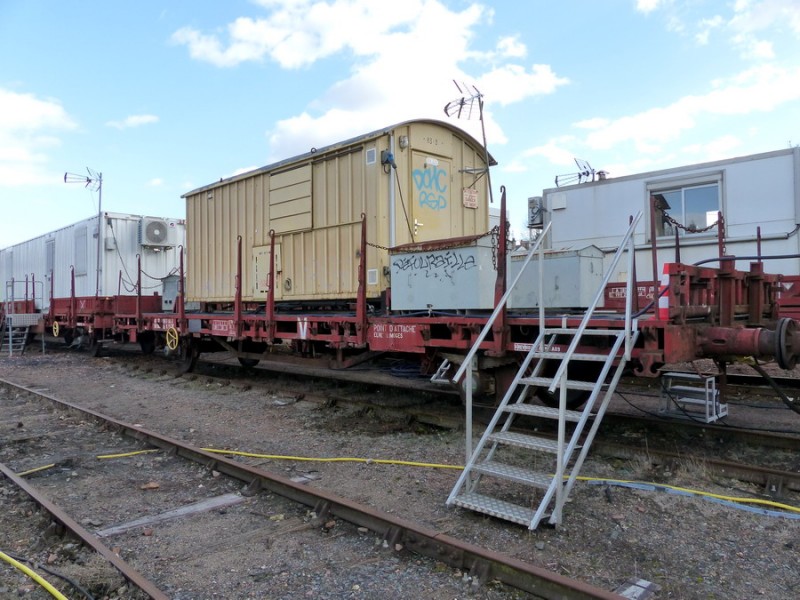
{"points": [[122, 238], [760, 190]]}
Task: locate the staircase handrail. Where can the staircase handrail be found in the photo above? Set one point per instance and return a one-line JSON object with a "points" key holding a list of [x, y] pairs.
{"points": [[500, 305], [627, 240]]}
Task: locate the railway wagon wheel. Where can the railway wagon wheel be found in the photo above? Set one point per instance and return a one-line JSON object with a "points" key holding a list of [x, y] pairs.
{"points": [[64, 332], [188, 354], [248, 363], [575, 371], [147, 342], [95, 347]]}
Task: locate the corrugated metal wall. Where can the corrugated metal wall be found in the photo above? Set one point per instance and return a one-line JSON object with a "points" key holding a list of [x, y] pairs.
{"points": [[315, 203], [76, 246]]}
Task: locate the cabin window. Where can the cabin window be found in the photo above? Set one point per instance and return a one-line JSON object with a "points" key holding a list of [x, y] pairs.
{"points": [[689, 210]]}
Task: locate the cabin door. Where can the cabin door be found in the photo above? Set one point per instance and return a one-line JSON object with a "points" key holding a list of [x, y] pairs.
{"points": [[430, 210]]}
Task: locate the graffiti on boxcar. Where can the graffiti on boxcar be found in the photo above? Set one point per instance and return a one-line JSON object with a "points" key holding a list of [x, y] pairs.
{"points": [[440, 265], [431, 185]]}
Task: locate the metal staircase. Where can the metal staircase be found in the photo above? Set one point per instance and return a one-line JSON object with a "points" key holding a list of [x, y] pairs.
{"points": [[18, 315], [506, 468], [14, 336]]}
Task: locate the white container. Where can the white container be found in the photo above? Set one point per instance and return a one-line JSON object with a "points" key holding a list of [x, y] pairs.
{"points": [[443, 276], [48, 259], [571, 278]]}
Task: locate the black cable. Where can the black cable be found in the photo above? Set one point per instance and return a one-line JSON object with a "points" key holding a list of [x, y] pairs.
{"points": [[129, 280], [49, 571], [721, 424], [403, 203], [774, 385]]}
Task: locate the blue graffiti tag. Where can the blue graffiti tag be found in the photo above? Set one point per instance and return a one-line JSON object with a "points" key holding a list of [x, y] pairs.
{"points": [[431, 183]]}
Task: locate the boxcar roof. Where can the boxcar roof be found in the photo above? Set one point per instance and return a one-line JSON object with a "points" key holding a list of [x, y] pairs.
{"points": [[316, 152], [677, 170]]}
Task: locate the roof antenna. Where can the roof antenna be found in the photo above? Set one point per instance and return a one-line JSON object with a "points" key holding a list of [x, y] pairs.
{"points": [[464, 107], [585, 173]]}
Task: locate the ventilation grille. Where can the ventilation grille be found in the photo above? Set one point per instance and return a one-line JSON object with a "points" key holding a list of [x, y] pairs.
{"points": [[156, 232]]}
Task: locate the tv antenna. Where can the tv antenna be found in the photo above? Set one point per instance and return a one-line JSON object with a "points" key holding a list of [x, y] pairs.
{"points": [[585, 173], [464, 107]]}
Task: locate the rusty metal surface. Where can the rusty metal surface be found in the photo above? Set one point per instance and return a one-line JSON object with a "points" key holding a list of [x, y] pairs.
{"points": [[485, 564], [129, 573]]}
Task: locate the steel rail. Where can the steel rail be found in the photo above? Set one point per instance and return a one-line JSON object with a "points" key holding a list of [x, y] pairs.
{"points": [[127, 571], [485, 565]]}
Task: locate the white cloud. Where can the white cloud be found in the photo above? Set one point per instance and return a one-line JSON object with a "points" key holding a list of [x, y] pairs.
{"points": [[26, 112], [759, 89], [511, 47], [555, 151], [405, 45], [706, 26], [754, 16], [133, 121], [648, 6], [156, 182], [27, 131], [595, 123], [719, 148], [512, 83], [297, 33]]}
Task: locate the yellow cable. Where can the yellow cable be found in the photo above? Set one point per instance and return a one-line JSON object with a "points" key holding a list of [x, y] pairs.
{"points": [[699, 493], [124, 454], [33, 575], [42, 468], [460, 467], [339, 459]]}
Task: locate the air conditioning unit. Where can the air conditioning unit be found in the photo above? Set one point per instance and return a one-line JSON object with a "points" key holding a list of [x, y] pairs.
{"points": [[535, 212], [157, 232]]}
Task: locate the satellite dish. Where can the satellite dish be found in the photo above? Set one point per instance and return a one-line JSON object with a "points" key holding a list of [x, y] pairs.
{"points": [[585, 173]]}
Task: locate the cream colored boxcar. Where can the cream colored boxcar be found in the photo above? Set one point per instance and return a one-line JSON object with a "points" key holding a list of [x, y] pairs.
{"points": [[416, 181]]}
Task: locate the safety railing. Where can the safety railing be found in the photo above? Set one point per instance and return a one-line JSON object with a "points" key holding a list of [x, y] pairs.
{"points": [[466, 366]]}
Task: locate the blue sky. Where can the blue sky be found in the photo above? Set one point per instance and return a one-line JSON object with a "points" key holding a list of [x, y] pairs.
{"points": [[165, 96]]}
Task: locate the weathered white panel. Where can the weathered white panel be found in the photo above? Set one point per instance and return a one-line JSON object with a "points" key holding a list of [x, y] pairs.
{"points": [[447, 279], [48, 260], [760, 190], [570, 279]]}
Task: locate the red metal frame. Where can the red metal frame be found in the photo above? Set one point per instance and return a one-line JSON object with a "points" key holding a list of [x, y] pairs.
{"points": [[712, 312]]}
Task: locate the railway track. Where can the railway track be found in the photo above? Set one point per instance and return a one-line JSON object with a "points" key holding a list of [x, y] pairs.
{"points": [[713, 445], [98, 498], [367, 420]]}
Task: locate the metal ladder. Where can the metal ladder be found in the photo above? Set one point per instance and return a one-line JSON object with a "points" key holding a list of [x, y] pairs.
{"points": [[558, 473], [503, 456], [13, 338]]}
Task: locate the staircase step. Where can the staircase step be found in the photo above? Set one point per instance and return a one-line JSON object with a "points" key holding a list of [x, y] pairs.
{"points": [[531, 442], [686, 389], [536, 410], [576, 356], [496, 508], [518, 474], [570, 331], [572, 384]]}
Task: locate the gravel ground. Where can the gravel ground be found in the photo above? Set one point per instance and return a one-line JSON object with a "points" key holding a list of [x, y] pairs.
{"points": [[689, 546]]}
